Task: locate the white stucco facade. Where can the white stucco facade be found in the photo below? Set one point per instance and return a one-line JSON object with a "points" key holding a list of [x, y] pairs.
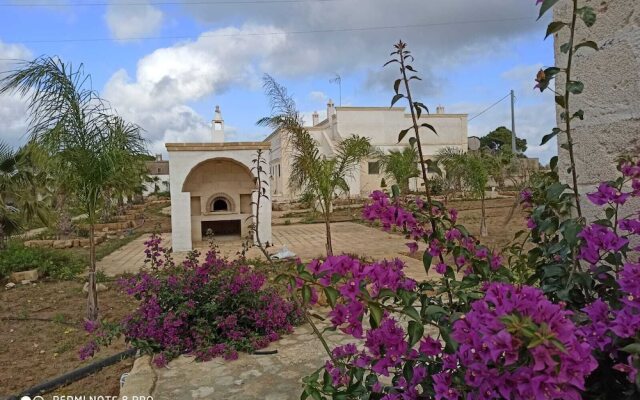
{"points": [[205, 175], [382, 126]]}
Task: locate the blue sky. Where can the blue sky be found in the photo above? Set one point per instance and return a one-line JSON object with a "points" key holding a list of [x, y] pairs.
{"points": [[166, 64]]}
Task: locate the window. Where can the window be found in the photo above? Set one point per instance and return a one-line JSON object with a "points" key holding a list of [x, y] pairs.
{"points": [[374, 167], [158, 171]]}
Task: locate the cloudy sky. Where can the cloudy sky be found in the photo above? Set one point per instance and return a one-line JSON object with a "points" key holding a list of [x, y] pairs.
{"points": [[165, 64]]}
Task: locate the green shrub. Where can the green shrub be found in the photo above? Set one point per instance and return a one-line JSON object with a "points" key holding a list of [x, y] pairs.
{"points": [[54, 263]]}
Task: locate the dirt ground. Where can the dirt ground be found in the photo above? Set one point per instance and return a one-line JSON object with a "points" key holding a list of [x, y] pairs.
{"points": [[41, 333], [34, 351]]}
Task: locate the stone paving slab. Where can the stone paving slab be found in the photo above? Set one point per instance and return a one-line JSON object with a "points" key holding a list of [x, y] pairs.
{"points": [[305, 240], [269, 377]]}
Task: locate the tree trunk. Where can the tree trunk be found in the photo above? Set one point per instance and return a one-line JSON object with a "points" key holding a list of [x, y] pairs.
{"points": [[483, 220], [92, 295], [327, 225]]}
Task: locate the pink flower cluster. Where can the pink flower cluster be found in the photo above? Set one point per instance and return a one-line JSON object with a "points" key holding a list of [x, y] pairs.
{"points": [[209, 309], [515, 343], [389, 214]]}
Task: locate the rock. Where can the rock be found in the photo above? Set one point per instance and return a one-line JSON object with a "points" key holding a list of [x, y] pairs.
{"points": [[18, 277], [25, 282], [76, 242], [62, 244], [10, 285], [83, 242], [100, 287]]}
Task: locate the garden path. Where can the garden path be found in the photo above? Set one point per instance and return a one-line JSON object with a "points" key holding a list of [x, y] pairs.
{"points": [[305, 240], [265, 377]]}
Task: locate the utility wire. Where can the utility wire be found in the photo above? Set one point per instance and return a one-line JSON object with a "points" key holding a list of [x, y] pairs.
{"points": [[488, 108], [362, 29], [163, 3]]}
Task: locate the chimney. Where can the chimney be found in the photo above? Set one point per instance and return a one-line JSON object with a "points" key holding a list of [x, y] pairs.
{"points": [[440, 110], [315, 118], [217, 126], [158, 157], [331, 110]]}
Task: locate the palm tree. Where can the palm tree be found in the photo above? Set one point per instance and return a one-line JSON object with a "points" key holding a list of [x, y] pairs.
{"points": [[400, 165], [315, 175], [472, 171], [24, 194], [89, 146]]}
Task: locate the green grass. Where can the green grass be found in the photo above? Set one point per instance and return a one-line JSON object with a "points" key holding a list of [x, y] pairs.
{"points": [[58, 264]]}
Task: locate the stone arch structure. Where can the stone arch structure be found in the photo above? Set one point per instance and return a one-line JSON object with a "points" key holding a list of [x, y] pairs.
{"points": [[212, 190]]}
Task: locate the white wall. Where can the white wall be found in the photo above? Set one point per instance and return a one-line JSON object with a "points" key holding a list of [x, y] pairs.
{"points": [[183, 158]]}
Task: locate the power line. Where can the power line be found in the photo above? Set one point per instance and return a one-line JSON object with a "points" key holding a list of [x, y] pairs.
{"points": [[489, 108], [164, 3], [336, 30]]}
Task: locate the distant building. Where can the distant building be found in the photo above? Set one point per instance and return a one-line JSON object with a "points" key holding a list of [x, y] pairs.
{"points": [[158, 176], [382, 125]]}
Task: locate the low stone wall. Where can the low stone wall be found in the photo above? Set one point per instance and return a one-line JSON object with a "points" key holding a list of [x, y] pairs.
{"points": [[65, 244]]}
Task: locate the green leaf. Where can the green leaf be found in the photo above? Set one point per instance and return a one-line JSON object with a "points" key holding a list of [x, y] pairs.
{"points": [[396, 98], [550, 136], [546, 6], [395, 190], [429, 127], [396, 85], [306, 294], [450, 345], [578, 114], [412, 141], [426, 261], [402, 134], [571, 230], [432, 311], [589, 43], [633, 348], [332, 295], [553, 163], [575, 87], [564, 48], [416, 330], [555, 190], [376, 314], [411, 312], [560, 101], [432, 167], [554, 27], [587, 15]]}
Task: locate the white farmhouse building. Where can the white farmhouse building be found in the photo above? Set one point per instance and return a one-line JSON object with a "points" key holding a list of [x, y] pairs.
{"points": [[158, 176], [213, 188], [382, 125]]}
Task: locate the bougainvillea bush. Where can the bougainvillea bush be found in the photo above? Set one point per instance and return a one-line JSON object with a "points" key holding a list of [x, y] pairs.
{"points": [[206, 309], [472, 333], [554, 315]]}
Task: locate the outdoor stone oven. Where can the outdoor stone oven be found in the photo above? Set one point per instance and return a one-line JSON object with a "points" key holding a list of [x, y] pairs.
{"points": [[212, 190]]}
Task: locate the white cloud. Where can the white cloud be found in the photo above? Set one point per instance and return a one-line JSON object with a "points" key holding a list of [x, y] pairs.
{"points": [[127, 21], [13, 108], [318, 97], [168, 79]]}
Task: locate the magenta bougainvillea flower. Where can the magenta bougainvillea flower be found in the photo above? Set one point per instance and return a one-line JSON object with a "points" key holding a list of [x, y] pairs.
{"points": [[607, 194], [515, 343]]}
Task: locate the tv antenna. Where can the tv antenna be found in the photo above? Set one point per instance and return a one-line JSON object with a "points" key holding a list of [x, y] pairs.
{"points": [[338, 80]]}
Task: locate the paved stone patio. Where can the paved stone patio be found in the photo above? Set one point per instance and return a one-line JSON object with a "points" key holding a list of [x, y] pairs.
{"points": [[305, 240], [269, 377]]}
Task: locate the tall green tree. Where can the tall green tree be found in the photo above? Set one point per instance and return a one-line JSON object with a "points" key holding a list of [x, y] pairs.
{"points": [[400, 165], [500, 138], [89, 146], [473, 171], [312, 173], [24, 188]]}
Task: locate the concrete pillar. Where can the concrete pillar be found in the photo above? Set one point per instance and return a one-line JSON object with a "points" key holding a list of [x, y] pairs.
{"points": [[611, 97], [180, 220]]}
